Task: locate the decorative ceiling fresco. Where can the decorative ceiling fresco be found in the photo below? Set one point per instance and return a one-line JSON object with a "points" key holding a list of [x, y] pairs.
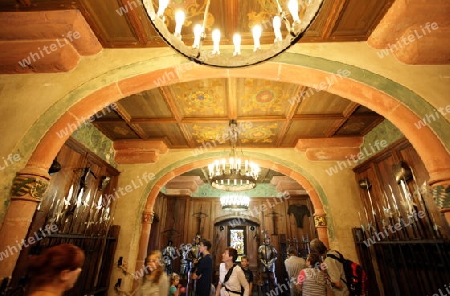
{"points": [[270, 114]]}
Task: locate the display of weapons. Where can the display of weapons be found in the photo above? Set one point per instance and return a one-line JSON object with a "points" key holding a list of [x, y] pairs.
{"points": [[365, 184], [433, 227], [362, 226], [274, 216], [384, 224], [389, 214], [51, 209], [412, 208], [83, 196], [295, 244], [93, 216], [69, 214], [404, 232], [370, 227], [402, 174], [199, 217]]}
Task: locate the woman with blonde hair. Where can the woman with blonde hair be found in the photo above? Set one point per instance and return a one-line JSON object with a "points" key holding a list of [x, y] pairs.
{"points": [[156, 281]]}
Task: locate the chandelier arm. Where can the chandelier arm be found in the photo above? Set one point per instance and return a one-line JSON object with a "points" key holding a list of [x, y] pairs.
{"points": [[205, 17]]}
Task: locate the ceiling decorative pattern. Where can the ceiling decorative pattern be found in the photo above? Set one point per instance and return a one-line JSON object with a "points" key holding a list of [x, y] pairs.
{"points": [[190, 114], [200, 97]]}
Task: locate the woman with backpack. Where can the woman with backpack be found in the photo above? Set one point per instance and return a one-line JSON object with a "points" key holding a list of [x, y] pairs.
{"points": [[232, 277], [312, 280]]}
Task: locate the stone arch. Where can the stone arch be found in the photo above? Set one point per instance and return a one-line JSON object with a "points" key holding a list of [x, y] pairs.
{"points": [[312, 187], [231, 217], [378, 93], [368, 89]]}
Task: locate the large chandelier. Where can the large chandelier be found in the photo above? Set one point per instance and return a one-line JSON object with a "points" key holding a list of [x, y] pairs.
{"points": [[188, 26], [235, 202], [235, 173]]}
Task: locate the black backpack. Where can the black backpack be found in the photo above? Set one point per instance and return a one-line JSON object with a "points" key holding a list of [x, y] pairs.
{"points": [[355, 276]]}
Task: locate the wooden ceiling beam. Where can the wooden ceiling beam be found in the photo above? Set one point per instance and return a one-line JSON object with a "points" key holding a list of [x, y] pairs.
{"points": [[136, 25], [232, 97], [333, 16], [153, 120], [170, 101], [299, 117], [127, 118], [339, 123], [372, 125], [289, 115], [230, 8]]}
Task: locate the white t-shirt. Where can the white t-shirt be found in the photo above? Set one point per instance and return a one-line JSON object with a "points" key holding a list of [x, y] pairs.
{"points": [[234, 283]]}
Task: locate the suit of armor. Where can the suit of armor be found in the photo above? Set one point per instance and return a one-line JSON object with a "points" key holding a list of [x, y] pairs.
{"points": [[185, 264], [194, 256], [267, 255], [169, 253], [194, 253]]}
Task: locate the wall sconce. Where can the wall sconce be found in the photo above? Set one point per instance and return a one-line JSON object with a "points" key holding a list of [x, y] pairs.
{"points": [[402, 172], [55, 167], [104, 181], [364, 184], [118, 284]]}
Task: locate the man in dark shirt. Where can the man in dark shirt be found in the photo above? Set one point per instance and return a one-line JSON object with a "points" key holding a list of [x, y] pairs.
{"points": [[203, 272], [245, 265]]}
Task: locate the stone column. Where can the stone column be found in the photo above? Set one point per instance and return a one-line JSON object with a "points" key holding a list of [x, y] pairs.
{"points": [[147, 220], [28, 189], [320, 222]]}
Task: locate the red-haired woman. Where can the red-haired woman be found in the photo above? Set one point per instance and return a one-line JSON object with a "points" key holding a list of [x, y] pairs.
{"points": [[55, 270]]}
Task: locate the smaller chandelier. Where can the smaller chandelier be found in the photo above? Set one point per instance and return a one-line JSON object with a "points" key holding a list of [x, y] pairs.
{"points": [[235, 202], [235, 174]]}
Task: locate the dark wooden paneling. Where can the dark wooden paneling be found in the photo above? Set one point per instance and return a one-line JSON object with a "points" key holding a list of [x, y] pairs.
{"points": [[417, 250], [77, 223], [185, 217]]}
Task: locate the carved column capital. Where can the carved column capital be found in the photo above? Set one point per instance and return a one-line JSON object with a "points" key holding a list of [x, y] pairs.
{"points": [[147, 217], [441, 195], [320, 221], [30, 184]]}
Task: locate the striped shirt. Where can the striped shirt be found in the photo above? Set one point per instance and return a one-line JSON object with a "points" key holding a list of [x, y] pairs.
{"points": [[314, 282]]}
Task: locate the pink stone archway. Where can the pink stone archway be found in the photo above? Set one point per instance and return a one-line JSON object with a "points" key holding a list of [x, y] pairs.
{"points": [[429, 147], [322, 230]]}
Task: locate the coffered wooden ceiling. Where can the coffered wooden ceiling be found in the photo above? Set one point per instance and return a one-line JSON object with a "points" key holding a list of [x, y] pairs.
{"points": [[124, 23], [270, 114], [187, 115]]}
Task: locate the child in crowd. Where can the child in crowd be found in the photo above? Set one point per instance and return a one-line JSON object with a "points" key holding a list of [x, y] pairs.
{"points": [[312, 280], [174, 285]]}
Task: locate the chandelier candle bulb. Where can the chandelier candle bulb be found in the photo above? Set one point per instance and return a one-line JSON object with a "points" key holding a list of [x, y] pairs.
{"points": [[237, 44], [216, 41], [162, 7], [197, 35], [277, 29], [293, 9], [257, 31], [179, 20]]}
